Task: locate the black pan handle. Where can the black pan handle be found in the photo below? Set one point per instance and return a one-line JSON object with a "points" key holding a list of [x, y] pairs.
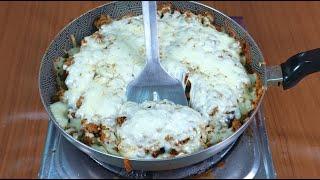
{"points": [[299, 66]]}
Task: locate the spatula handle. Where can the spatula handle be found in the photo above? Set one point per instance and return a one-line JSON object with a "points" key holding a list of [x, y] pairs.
{"points": [[149, 9]]}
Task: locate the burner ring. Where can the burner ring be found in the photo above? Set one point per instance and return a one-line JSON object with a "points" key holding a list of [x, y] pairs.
{"points": [[195, 169]]}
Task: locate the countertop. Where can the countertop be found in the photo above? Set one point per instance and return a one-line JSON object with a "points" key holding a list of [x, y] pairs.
{"points": [[281, 29]]}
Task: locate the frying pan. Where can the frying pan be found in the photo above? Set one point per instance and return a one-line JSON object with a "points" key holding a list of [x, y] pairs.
{"points": [[287, 74]]}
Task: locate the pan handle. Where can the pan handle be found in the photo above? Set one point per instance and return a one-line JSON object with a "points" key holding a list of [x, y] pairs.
{"points": [[294, 69]]}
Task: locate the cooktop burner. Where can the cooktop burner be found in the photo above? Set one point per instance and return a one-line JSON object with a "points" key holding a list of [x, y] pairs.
{"points": [[249, 157]]}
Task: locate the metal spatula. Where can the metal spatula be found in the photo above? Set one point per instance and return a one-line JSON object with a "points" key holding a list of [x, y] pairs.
{"points": [[154, 83]]}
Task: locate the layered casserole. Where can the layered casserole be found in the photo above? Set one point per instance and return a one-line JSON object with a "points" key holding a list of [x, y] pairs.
{"points": [[210, 61]]}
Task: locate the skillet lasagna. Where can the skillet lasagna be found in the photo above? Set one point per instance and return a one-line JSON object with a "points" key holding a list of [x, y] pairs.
{"points": [[210, 61]]}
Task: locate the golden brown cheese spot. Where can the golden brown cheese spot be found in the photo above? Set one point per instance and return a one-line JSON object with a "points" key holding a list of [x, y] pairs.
{"points": [[102, 136], [218, 28], [165, 7], [232, 33], [69, 61], [103, 127], [98, 37], [210, 16], [168, 138], [73, 40], [155, 154], [101, 20], [147, 151], [115, 149], [92, 128], [208, 144], [71, 115], [214, 111], [83, 42], [209, 128], [244, 46], [79, 102], [121, 120], [87, 140], [59, 95], [229, 30], [236, 124], [96, 130], [173, 152], [182, 142], [128, 15], [188, 14], [83, 121], [245, 50], [70, 130], [259, 92]]}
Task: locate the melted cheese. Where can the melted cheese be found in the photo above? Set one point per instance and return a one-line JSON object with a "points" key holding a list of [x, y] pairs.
{"points": [[59, 111], [155, 125], [106, 63]]}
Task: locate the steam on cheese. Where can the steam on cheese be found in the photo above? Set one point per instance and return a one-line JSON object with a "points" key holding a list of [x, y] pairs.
{"points": [[191, 49]]}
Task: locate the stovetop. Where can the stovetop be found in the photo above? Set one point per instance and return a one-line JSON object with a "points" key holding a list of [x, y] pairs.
{"points": [[248, 158]]}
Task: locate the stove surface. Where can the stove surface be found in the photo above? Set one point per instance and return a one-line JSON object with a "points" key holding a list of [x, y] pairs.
{"points": [[248, 158]]}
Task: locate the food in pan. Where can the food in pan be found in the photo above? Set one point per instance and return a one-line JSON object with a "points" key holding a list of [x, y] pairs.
{"points": [[209, 60]]}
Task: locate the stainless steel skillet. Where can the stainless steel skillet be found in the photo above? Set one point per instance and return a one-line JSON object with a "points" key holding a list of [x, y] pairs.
{"points": [[286, 74]]}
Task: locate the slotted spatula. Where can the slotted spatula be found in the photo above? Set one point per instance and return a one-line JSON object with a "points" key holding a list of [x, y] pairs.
{"points": [[154, 83]]}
